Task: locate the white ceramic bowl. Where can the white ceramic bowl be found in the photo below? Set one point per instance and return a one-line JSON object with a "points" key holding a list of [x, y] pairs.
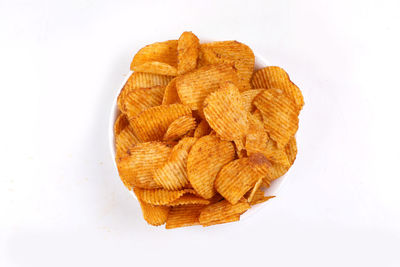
{"points": [[260, 62]]}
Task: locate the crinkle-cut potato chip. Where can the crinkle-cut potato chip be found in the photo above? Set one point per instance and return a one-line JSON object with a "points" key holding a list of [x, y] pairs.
{"points": [[276, 77], [202, 129], [195, 86], [248, 97], [189, 199], [173, 174], [257, 138], [138, 167], [159, 196], [238, 176], [291, 150], [257, 114], [254, 190], [233, 218], [157, 58], [206, 158], [141, 99], [124, 141], [141, 80], [182, 216], [231, 52], [225, 113], [180, 127], [170, 94], [154, 215], [188, 52], [222, 210], [280, 115], [152, 123], [120, 123], [259, 197]]}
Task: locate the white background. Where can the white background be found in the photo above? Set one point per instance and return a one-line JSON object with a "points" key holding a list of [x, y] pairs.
{"points": [[61, 202]]}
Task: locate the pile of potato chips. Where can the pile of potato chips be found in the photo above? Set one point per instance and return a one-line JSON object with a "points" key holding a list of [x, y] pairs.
{"points": [[200, 134]]}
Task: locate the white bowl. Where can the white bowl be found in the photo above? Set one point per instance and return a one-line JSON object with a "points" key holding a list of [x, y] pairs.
{"points": [[260, 62]]}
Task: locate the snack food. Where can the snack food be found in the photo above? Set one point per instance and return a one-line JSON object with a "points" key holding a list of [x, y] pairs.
{"points": [[200, 134]]}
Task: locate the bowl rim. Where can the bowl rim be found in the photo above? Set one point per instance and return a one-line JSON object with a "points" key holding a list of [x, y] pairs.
{"points": [[276, 185]]}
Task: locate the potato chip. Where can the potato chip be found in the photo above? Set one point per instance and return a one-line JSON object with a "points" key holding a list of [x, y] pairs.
{"points": [[230, 52], [259, 197], [291, 150], [157, 58], [154, 215], [205, 160], [137, 169], [188, 52], [141, 99], [222, 210], [276, 77], [141, 80], [124, 141], [257, 138], [159, 196], [233, 218], [173, 174], [248, 97], [202, 129], [195, 86], [238, 176], [225, 113], [254, 190], [152, 123], [280, 115], [170, 94], [189, 199], [257, 115], [182, 216], [120, 123], [180, 127]]}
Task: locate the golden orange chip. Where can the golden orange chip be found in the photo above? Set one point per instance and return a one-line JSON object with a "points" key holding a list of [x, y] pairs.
{"points": [[280, 115], [195, 86], [124, 141], [188, 52], [180, 127], [238, 176], [205, 160], [154, 215], [141, 99], [230, 52], [189, 199], [257, 115], [248, 97], [233, 218], [170, 94], [157, 58], [222, 210], [276, 77], [202, 129], [137, 169], [182, 216], [291, 150], [120, 123], [152, 123], [159, 196], [259, 197], [141, 80], [257, 138], [173, 175], [254, 190], [224, 111]]}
